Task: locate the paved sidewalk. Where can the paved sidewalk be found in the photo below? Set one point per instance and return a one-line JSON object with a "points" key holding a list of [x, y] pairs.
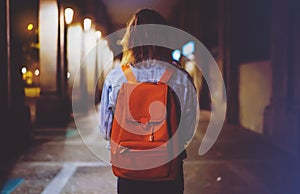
{"points": [[240, 162]]}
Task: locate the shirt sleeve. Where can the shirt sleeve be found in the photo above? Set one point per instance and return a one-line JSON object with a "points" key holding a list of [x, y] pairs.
{"points": [[105, 111], [190, 110]]}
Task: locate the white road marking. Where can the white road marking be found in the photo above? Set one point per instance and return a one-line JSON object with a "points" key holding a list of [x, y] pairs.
{"points": [[67, 171], [60, 180]]}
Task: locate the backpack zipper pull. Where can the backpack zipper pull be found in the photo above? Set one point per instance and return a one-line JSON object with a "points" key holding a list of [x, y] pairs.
{"points": [[151, 138], [123, 150]]}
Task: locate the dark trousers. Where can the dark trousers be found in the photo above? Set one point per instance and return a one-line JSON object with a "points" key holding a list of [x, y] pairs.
{"points": [[127, 186]]}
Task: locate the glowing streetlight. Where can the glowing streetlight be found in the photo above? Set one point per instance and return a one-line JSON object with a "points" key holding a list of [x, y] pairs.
{"points": [[23, 70], [29, 27], [98, 35], [37, 72], [69, 13], [87, 24]]}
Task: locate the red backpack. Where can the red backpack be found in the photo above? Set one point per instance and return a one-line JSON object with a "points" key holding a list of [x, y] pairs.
{"points": [[145, 120]]}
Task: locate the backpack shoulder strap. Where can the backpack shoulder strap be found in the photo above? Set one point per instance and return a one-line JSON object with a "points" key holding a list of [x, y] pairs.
{"points": [[128, 73], [167, 75]]}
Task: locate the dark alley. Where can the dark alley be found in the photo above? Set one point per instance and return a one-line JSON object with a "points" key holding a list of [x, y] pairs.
{"points": [[243, 58]]}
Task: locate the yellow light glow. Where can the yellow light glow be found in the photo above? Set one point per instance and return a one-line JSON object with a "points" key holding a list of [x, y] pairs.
{"points": [[32, 91], [189, 67], [30, 27], [29, 77], [69, 13]]}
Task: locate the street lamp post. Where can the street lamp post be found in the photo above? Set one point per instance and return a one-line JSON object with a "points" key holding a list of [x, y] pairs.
{"points": [[97, 70], [98, 38], [87, 24], [65, 17], [68, 14]]}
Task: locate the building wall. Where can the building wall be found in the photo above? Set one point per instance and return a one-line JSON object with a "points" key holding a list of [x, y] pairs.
{"points": [[255, 89], [282, 117], [14, 116]]}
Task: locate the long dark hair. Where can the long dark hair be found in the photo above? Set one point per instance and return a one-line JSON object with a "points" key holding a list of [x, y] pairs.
{"points": [[136, 36]]}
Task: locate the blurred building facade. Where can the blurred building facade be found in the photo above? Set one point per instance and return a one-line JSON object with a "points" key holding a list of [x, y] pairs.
{"points": [[256, 46]]}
